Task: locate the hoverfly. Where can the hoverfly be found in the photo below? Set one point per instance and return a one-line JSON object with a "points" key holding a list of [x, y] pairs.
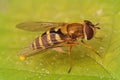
{"points": [[58, 35]]}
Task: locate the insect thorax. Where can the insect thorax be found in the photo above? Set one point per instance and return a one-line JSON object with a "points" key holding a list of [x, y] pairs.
{"points": [[75, 30]]}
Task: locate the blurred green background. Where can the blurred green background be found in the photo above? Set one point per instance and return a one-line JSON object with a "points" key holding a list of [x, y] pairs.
{"points": [[50, 65]]}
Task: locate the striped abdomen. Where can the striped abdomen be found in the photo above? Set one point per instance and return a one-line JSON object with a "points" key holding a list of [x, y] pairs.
{"points": [[48, 39]]}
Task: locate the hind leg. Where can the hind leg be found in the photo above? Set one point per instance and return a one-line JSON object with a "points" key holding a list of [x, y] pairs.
{"points": [[70, 58]]}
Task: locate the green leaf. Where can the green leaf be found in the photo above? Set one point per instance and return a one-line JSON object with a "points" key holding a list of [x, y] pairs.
{"points": [[50, 65]]}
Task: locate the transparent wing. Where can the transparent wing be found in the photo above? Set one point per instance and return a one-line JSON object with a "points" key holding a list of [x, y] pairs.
{"points": [[29, 51], [38, 26]]}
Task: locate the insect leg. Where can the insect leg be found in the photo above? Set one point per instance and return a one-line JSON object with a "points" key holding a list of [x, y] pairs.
{"points": [[90, 47], [71, 62]]}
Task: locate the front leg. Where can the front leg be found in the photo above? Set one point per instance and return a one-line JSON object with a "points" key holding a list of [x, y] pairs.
{"points": [[90, 47]]}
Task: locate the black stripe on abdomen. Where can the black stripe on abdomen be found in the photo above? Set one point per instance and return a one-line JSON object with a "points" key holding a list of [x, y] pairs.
{"points": [[36, 44], [53, 38], [45, 42]]}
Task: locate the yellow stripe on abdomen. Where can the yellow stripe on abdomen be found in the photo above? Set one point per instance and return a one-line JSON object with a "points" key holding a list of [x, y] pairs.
{"points": [[49, 38], [58, 38], [41, 43]]}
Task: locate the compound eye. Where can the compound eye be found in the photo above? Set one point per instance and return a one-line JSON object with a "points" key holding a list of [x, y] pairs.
{"points": [[88, 32]]}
